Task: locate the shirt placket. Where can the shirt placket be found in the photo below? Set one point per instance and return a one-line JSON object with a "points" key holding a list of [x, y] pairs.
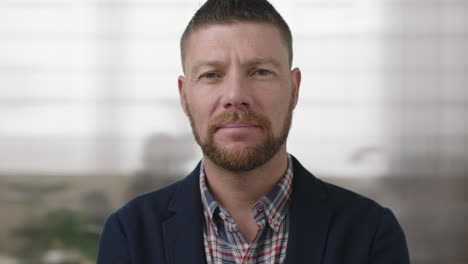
{"points": [[227, 243], [232, 235], [244, 250], [260, 219]]}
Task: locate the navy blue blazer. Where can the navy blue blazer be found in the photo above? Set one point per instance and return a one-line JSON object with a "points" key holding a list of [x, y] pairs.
{"points": [[328, 225]]}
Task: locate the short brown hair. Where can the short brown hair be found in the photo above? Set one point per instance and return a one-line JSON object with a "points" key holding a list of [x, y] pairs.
{"points": [[214, 12]]}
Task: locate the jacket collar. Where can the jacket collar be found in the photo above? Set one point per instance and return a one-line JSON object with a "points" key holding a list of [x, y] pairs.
{"points": [[309, 220], [183, 231]]}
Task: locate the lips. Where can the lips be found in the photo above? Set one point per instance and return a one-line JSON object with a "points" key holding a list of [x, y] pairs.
{"points": [[238, 121], [237, 125]]}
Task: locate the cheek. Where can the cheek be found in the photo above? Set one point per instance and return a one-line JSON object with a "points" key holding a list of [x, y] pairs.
{"points": [[280, 119], [203, 106], [199, 118], [279, 110]]}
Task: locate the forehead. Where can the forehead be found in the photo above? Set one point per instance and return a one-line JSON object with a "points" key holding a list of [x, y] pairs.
{"points": [[240, 41]]}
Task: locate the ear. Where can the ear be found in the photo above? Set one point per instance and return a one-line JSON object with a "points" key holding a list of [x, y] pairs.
{"points": [[181, 84], [296, 83]]}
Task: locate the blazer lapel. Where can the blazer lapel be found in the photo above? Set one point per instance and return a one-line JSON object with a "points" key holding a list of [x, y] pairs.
{"points": [[183, 231], [309, 219]]}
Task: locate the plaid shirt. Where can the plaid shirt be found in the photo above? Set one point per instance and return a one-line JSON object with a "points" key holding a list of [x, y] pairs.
{"points": [[224, 243]]}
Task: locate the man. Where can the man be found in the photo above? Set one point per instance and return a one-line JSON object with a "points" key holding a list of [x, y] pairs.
{"points": [[248, 200]]}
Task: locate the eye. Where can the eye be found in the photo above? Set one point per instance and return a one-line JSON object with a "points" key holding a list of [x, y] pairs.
{"points": [[210, 75], [262, 72]]}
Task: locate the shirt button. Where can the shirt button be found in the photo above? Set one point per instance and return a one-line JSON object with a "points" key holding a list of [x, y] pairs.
{"points": [[274, 221], [222, 215]]}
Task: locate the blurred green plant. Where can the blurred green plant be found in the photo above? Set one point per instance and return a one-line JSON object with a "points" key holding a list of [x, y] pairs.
{"points": [[62, 229]]}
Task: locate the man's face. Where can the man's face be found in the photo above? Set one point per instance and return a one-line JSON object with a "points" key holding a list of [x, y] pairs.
{"points": [[239, 93]]}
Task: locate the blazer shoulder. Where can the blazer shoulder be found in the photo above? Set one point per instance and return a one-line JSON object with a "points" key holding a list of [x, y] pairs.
{"points": [[373, 222], [308, 186], [340, 195], [158, 203], [359, 211], [149, 205], [134, 233]]}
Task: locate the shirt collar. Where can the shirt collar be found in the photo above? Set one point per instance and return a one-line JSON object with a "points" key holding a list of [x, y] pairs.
{"points": [[274, 206]]}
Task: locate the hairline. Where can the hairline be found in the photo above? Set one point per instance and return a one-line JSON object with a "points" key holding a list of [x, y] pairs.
{"points": [[285, 39]]}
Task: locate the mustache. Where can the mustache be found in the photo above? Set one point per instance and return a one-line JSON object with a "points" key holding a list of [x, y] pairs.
{"points": [[238, 116]]}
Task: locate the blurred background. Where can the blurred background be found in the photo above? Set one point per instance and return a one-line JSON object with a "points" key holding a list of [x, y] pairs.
{"points": [[90, 117]]}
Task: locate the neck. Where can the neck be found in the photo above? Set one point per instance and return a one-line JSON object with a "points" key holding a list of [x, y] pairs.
{"points": [[239, 191]]}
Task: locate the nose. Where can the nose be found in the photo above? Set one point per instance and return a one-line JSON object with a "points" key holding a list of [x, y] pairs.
{"points": [[236, 94]]}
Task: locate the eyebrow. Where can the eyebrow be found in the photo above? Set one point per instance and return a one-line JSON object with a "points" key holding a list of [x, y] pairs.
{"points": [[201, 64], [262, 60], [252, 62]]}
